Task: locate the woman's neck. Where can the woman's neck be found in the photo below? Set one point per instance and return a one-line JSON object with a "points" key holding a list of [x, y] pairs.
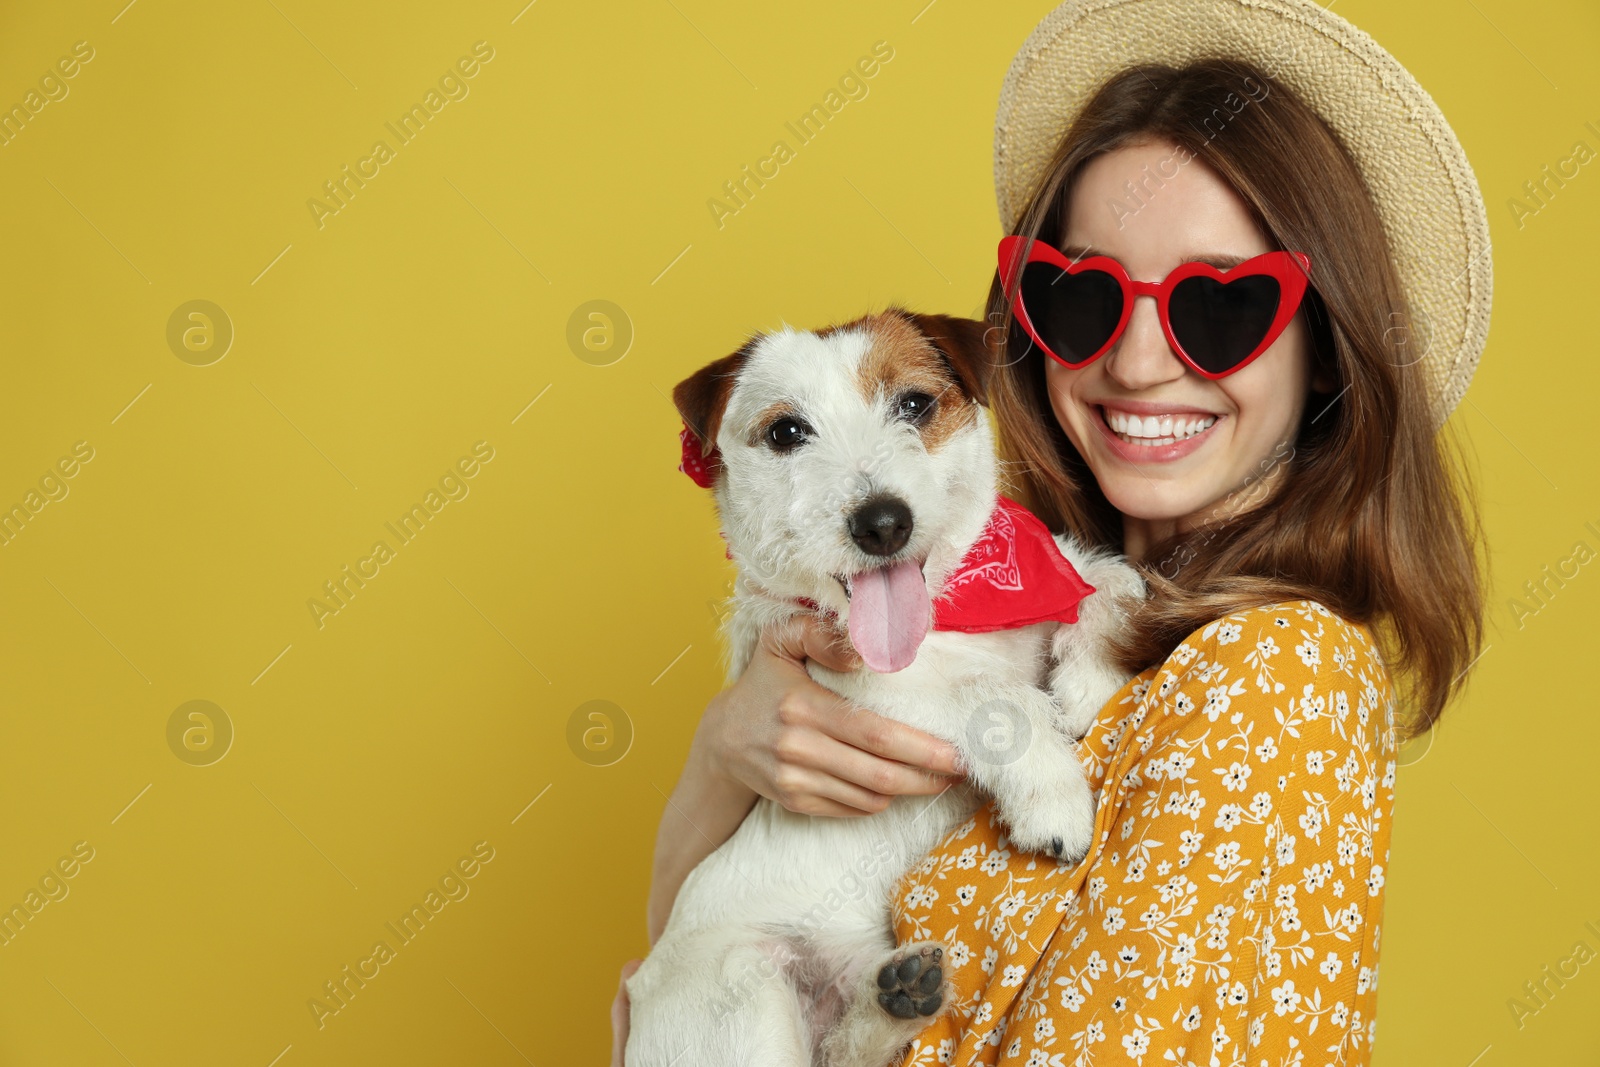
{"points": [[1139, 534]]}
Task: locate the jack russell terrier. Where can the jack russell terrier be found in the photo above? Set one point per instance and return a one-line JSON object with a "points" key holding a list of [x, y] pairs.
{"points": [[855, 478]]}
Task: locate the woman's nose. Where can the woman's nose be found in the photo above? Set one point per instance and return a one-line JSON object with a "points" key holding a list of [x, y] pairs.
{"points": [[1142, 358]]}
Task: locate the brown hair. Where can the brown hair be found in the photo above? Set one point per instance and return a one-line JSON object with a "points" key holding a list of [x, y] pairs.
{"points": [[1373, 515]]}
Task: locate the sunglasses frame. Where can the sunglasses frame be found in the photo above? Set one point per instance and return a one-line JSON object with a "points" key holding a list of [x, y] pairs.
{"points": [[1291, 269]]}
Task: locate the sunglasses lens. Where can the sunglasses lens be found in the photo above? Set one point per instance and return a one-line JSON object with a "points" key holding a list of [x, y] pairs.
{"points": [[1073, 314], [1220, 323]]}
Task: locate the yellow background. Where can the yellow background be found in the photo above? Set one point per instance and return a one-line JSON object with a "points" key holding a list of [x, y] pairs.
{"points": [[427, 315]]}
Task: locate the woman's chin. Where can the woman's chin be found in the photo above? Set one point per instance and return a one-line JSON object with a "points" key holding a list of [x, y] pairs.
{"points": [[1152, 500]]}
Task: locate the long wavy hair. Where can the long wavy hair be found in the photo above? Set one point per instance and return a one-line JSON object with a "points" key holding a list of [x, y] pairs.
{"points": [[1373, 514]]}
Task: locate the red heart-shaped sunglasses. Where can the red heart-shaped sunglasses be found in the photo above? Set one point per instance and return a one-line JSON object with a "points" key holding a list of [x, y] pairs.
{"points": [[1217, 321]]}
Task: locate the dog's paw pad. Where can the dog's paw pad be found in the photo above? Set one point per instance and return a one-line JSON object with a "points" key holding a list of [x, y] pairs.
{"points": [[912, 985]]}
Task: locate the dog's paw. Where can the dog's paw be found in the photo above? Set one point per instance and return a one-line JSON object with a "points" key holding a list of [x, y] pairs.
{"points": [[1057, 820], [912, 982]]}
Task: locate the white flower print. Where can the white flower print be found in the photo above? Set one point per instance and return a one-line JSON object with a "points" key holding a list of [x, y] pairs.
{"points": [[1236, 777], [1285, 997], [1217, 702], [995, 862], [1311, 822], [1136, 1044], [1285, 850]]}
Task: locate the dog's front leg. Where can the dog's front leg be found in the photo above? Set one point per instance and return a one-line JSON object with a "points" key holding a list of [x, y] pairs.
{"points": [[1083, 675], [1014, 751]]}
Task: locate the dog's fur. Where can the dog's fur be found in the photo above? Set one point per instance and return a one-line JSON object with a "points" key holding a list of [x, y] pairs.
{"points": [[780, 942]]}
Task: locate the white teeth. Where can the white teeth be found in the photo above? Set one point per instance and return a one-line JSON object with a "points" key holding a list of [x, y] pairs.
{"points": [[1157, 429]]}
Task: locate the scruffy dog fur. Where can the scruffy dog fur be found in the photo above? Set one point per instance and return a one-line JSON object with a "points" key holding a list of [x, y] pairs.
{"points": [[779, 951]]}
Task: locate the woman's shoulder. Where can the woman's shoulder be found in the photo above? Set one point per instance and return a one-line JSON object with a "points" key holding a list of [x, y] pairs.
{"points": [[1315, 635], [1295, 668]]}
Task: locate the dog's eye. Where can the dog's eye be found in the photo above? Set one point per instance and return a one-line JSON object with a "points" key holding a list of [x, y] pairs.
{"points": [[915, 407], [787, 433]]}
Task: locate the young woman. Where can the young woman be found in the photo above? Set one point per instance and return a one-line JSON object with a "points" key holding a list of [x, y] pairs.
{"points": [[1207, 358]]}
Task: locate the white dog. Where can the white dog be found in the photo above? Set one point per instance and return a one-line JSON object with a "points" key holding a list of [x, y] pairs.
{"points": [[855, 477]]}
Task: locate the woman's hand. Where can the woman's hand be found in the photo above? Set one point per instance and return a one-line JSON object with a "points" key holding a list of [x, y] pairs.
{"points": [[787, 738], [778, 734], [619, 1014]]}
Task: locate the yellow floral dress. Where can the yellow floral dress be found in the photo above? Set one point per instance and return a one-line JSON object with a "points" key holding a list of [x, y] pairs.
{"points": [[1229, 911]]}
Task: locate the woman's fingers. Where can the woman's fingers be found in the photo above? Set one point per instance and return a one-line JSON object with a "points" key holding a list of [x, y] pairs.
{"points": [[875, 776], [809, 749], [807, 638], [885, 737], [828, 647], [807, 790]]}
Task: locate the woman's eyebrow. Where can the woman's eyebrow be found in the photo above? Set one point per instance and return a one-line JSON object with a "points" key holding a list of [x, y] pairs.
{"points": [[1217, 260]]}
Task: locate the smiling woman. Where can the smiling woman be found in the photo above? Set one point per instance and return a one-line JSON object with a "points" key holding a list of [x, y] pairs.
{"points": [[1254, 439]]}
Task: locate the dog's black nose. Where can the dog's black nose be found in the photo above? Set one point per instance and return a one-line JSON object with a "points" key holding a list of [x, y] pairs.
{"points": [[881, 526]]}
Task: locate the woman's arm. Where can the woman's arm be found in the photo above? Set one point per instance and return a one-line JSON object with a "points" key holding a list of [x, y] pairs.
{"points": [[776, 733]]}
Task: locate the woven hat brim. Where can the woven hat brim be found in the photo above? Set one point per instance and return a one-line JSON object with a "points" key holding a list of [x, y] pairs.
{"points": [[1426, 194]]}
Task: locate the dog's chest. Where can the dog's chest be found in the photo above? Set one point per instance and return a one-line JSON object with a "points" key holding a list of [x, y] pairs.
{"points": [[922, 694]]}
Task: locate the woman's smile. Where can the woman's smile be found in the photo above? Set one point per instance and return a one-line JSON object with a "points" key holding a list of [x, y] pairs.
{"points": [[1145, 432]]}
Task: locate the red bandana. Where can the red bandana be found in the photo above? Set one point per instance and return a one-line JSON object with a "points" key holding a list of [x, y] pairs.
{"points": [[1014, 575]]}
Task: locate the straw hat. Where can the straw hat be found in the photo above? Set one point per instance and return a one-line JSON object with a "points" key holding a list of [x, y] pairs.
{"points": [[1419, 177]]}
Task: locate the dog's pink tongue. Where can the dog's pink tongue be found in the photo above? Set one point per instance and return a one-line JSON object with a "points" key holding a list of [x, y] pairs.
{"points": [[889, 611]]}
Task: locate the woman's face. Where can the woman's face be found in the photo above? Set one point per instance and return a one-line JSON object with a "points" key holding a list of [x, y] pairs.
{"points": [[1162, 481]]}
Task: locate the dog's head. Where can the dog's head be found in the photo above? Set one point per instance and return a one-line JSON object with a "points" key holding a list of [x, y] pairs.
{"points": [[852, 466]]}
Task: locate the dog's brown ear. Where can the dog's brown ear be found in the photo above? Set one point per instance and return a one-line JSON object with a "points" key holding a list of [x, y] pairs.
{"points": [[702, 397], [963, 344]]}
